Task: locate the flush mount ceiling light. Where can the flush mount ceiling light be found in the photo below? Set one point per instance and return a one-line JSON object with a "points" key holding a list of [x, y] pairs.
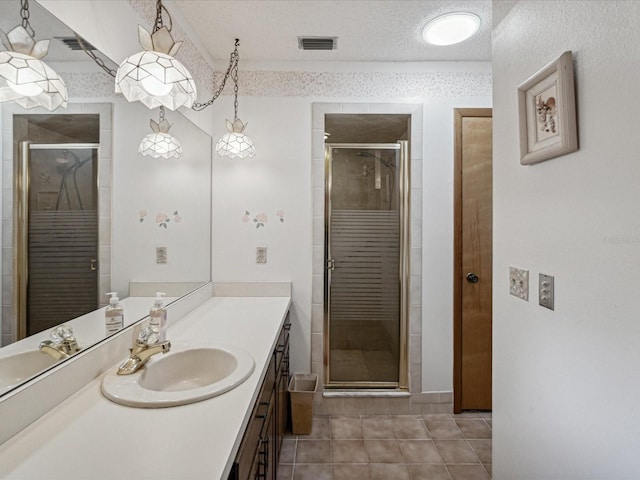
{"points": [[160, 143], [24, 78], [234, 144], [153, 76], [451, 28]]}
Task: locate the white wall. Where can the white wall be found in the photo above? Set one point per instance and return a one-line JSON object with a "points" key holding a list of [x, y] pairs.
{"points": [[566, 381], [279, 178]]}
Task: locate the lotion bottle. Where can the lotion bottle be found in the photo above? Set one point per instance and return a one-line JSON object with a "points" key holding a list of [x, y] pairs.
{"points": [[113, 315], [158, 317]]}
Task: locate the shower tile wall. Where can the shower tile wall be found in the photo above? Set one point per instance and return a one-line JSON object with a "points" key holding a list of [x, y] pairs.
{"points": [[416, 402], [104, 182]]}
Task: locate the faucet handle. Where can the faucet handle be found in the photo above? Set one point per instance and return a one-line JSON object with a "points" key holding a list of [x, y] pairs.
{"points": [[61, 333], [149, 335]]}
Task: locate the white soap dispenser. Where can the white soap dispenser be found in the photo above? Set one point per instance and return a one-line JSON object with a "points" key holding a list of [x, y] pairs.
{"points": [[158, 317], [113, 315]]}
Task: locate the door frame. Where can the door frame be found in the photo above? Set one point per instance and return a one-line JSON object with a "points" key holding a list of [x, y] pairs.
{"points": [[458, 115]]}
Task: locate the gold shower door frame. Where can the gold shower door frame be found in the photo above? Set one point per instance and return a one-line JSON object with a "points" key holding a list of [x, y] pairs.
{"points": [[21, 193], [404, 192]]}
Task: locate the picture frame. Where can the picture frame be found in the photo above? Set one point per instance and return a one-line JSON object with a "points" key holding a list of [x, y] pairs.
{"points": [[547, 112]]}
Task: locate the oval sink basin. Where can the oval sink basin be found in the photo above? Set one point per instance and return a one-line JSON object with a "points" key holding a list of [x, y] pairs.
{"points": [[184, 375], [16, 368]]}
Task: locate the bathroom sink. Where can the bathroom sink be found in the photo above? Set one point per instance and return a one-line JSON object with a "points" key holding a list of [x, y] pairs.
{"points": [[16, 368], [186, 374]]}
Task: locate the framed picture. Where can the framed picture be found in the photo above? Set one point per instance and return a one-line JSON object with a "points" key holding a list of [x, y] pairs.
{"points": [[547, 111]]}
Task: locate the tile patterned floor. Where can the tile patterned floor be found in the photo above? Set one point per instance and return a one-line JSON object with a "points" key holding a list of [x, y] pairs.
{"points": [[390, 447]]}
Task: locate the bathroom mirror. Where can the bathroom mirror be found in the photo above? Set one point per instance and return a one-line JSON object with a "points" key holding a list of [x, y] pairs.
{"points": [[150, 216]]}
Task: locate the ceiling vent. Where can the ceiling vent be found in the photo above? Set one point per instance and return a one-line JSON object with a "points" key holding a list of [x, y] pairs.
{"points": [[317, 43], [74, 44]]}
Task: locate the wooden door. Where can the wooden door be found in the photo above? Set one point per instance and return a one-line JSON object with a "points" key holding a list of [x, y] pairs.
{"points": [[473, 259]]}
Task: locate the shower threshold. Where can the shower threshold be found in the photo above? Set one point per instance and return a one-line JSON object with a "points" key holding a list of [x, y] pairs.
{"points": [[348, 393]]}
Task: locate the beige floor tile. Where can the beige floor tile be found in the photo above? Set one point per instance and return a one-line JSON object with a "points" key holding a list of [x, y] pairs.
{"points": [[313, 451], [351, 472], [384, 451], [443, 429], [410, 429], [349, 451], [420, 451], [378, 428], [285, 472], [387, 471], [346, 428], [454, 451], [312, 472], [288, 450], [428, 472], [320, 429], [474, 428], [468, 472], [482, 449]]}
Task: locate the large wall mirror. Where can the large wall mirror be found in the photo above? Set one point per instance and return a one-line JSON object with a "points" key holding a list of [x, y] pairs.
{"points": [[84, 214]]}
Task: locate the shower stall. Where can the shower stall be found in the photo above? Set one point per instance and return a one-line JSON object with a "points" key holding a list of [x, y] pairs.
{"points": [[55, 234], [366, 265]]}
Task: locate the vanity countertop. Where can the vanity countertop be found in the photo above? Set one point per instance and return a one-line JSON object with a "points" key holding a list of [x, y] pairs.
{"points": [[89, 437]]}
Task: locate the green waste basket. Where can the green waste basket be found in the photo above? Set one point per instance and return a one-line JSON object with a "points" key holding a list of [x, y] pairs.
{"points": [[302, 389]]}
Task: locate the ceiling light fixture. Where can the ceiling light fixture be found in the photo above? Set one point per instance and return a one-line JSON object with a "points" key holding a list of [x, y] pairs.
{"points": [[24, 78], [451, 28], [160, 143], [234, 144], [153, 76]]}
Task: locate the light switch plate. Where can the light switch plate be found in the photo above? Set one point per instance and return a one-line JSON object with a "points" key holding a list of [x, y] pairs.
{"points": [[519, 283], [261, 254], [161, 254], [545, 291]]}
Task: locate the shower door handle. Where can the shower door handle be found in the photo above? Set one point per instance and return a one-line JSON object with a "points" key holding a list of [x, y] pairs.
{"points": [[331, 264], [94, 265]]}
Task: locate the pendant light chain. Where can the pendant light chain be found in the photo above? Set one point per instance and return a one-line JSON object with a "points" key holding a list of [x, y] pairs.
{"points": [[234, 76], [162, 114], [159, 23], [24, 13], [233, 66]]}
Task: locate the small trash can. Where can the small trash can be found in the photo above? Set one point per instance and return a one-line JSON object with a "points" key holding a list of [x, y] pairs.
{"points": [[302, 388]]}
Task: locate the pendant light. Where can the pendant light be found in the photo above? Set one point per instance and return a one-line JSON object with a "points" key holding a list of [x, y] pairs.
{"points": [[153, 76], [24, 78], [160, 143], [235, 144]]}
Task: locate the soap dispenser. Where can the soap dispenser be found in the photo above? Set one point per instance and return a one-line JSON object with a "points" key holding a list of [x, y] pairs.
{"points": [[113, 315], [158, 317]]}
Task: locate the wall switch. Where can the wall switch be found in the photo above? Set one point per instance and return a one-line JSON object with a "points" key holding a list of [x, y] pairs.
{"points": [[545, 291], [261, 254], [161, 254], [519, 283]]}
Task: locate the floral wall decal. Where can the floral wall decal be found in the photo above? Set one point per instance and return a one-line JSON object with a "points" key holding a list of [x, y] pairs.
{"points": [[162, 219], [261, 219]]}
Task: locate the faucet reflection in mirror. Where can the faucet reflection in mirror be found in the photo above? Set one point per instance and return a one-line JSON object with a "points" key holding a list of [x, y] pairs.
{"points": [[153, 76], [160, 143], [24, 78]]}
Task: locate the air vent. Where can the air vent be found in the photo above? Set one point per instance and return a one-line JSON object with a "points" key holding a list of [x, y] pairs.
{"points": [[74, 44], [318, 43]]}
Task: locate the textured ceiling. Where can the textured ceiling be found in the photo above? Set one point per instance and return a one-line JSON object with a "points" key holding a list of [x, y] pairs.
{"points": [[367, 30]]}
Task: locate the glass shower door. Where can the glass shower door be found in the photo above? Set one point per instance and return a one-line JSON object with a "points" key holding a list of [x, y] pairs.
{"points": [[364, 252], [57, 259]]}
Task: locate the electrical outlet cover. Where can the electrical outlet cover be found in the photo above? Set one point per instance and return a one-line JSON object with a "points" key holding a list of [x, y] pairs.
{"points": [[519, 283], [261, 254]]}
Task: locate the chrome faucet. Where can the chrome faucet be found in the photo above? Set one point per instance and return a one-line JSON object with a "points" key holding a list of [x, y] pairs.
{"points": [[145, 346], [62, 344]]}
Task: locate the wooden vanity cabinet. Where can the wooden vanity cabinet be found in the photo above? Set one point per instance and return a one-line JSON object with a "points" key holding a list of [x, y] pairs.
{"points": [[259, 452]]}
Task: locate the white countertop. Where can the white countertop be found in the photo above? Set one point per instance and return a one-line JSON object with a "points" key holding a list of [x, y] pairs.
{"points": [[89, 437]]}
